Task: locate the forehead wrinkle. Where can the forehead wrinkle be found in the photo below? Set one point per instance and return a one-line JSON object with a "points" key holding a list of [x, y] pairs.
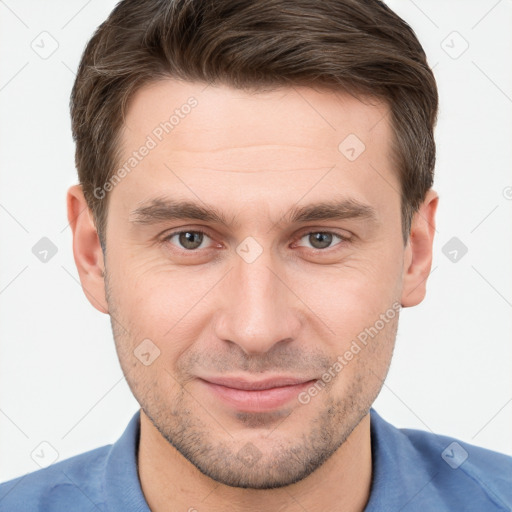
{"points": [[241, 171]]}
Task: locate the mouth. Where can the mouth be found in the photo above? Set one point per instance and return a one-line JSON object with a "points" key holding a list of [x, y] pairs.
{"points": [[256, 396]]}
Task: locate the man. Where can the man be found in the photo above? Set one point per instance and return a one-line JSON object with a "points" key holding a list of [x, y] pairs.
{"points": [[255, 207]]}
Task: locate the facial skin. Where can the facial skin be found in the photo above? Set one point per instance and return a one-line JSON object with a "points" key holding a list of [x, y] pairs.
{"points": [[292, 311]]}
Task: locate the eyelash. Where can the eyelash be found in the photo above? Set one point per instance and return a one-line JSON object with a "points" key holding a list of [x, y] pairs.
{"points": [[342, 238]]}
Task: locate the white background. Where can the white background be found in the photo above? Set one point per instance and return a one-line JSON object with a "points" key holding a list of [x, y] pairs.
{"points": [[60, 380]]}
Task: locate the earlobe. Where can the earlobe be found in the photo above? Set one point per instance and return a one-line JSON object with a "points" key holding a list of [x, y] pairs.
{"points": [[418, 253], [87, 250]]}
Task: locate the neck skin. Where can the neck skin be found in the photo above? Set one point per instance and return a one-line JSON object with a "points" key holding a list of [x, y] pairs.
{"points": [[170, 483]]}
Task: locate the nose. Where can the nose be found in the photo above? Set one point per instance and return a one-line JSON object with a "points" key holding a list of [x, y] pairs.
{"points": [[259, 310]]}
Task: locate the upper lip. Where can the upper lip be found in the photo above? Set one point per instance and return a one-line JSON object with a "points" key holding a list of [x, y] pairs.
{"points": [[252, 385]]}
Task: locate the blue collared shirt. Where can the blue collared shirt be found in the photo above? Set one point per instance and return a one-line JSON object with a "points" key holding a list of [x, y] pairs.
{"points": [[413, 470]]}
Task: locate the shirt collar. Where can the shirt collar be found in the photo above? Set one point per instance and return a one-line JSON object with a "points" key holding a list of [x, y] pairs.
{"points": [[398, 471], [122, 485]]}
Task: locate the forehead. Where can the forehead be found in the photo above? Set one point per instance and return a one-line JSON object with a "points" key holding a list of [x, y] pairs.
{"points": [[188, 139], [287, 115]]}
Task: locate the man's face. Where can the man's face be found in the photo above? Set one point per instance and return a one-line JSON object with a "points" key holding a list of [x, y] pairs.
{"points": [[264, 295]]}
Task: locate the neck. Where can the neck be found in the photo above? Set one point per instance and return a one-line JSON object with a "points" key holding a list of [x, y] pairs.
{"points": [[171, 483]]}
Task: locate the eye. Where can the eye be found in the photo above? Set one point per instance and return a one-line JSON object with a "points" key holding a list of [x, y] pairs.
{"points": [[193, 240], [320, 240], [188, 240]]}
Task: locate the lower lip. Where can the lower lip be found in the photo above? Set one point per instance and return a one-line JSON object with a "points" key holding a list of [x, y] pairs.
{"points": [[257, 400]]}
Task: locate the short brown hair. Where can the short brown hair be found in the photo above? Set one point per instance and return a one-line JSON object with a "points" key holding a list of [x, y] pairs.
{"points": [[358, 46]]}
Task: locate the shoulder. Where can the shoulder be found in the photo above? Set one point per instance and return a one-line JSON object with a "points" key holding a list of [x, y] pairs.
{"points": [[71, 484], [487, 470], [459, 454], [447, 472]]}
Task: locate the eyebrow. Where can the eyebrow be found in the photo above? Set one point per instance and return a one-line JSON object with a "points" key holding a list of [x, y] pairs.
{"points": [[158, 210]]}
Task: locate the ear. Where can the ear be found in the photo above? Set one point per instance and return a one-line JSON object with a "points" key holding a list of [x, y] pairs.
{"points": [[86, 248], [418, 253]]}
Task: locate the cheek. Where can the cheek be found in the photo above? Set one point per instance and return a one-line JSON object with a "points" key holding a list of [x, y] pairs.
{"points": [[364, 360], [350, 297], [162, 304], [167, 304]]}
